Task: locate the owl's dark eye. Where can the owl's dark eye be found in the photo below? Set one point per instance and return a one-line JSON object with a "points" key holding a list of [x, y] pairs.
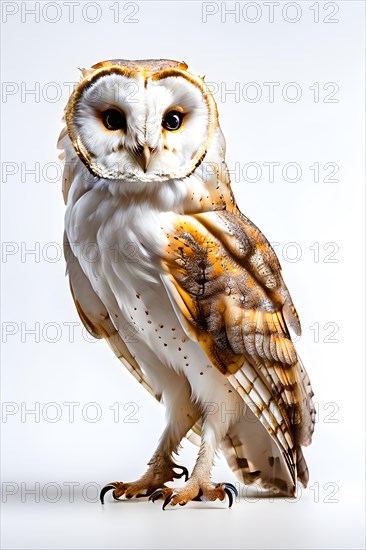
{"points": [[114, 120], [173, 120]]}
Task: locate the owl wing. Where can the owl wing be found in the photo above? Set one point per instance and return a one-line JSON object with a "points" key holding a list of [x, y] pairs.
{"points": [[95, 317], [225, 283]]}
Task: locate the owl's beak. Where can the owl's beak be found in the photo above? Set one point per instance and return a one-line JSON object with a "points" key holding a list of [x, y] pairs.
{"points": [[144, 157]]}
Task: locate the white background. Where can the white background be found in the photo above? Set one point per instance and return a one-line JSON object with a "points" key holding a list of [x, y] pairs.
{"points": [[39, 451]]}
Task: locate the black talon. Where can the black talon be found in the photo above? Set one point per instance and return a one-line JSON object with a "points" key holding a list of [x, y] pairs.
{"points": [[232, 487], [105, 490], [183, 473], [156, 495], [167, 500], [230, 497]]}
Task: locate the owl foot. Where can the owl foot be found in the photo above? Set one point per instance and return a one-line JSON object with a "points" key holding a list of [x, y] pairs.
{"points": [[195, 491], [146, 485]]}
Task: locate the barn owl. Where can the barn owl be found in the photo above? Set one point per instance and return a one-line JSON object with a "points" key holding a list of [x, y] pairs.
{"points": [[183, 286]]}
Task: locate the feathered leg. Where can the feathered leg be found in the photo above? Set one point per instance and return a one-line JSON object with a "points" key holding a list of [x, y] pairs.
{"points": [[182, 415], [199, 485]]}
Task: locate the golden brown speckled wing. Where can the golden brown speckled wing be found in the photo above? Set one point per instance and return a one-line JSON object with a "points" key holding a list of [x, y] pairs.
{"points": [[226, 282]]}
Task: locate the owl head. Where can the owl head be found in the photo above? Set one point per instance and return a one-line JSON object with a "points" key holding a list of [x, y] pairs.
{"points": [[147, 120]]}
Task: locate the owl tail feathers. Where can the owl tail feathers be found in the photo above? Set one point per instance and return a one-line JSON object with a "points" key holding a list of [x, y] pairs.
{"points": [[256, 460]]}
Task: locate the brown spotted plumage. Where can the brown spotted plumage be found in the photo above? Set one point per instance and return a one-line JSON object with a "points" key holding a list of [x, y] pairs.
{"points": [[228, 285]]}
